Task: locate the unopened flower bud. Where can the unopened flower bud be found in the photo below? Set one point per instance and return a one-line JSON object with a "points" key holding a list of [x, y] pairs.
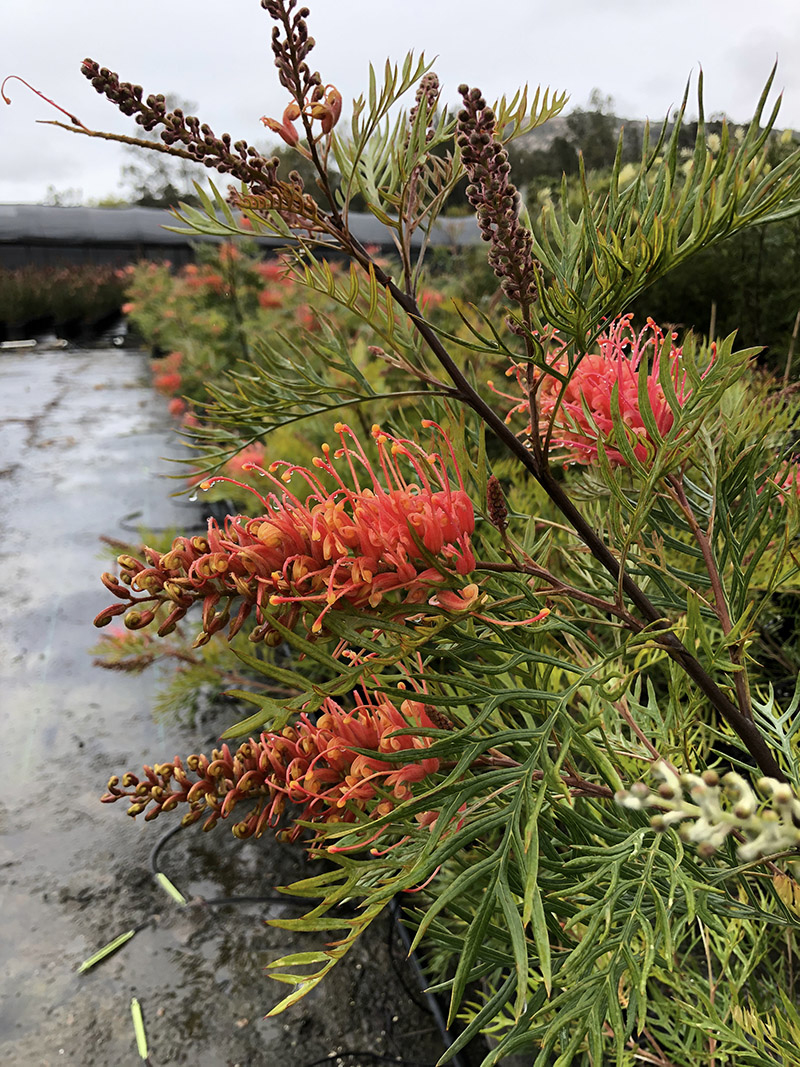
{"points": [[109, 613], [496, 504], [782, 793]]}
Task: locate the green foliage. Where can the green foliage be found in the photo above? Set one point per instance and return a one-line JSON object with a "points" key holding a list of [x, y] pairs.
{"points": [[634, 539], [620, 244], [750, 283]]}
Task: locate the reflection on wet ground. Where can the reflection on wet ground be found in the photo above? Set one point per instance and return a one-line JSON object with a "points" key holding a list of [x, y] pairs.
{"points": [[81, 441]]}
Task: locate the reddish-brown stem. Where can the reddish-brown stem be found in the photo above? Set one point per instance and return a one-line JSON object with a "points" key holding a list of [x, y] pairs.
{"points": [[740, 724], [720, 602], [577, 785], [559, 588], [623, 709], [16, 77]]}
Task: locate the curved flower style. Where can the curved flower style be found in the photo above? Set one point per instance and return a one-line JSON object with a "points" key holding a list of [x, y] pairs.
{"points": [[313, 765], [582, 414], [390, 540]]}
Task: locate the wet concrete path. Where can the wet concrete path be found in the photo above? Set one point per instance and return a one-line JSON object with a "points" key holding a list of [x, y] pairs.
{"points": [[81, 436]]}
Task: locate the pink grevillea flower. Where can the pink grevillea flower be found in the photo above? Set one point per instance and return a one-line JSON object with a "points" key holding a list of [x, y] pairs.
{"points": [[168, 383], [581, 415], [787, 483], [791, 483], [388, 538], [313, 766]]}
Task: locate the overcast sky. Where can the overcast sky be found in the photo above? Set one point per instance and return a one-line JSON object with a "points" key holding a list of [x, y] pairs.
{"points": [[216, 53]]}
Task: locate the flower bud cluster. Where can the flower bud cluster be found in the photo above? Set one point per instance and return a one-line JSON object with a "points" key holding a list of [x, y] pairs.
{"points": [[186, 132], [393, 541], [426, 99], [313, 766], [311, 100], [291, 50], [495, 199], [496, 506], [715, 808]]}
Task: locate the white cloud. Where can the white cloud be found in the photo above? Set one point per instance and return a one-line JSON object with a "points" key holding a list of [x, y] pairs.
{"points": [[638, 51]]}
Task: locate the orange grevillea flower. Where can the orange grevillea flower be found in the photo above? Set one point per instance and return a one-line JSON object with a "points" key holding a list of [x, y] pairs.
{"points": [[581, 412], [286, 128], [325, 106], [395, 536], [313, 766]]}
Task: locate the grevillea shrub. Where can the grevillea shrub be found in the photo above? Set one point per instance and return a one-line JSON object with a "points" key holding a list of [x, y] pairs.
{"points": [[532, 660], [214, 319], [210, 317], [207, 314]]}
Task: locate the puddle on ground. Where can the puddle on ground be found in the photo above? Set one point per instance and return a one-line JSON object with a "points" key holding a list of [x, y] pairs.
{"points": [[81, 436]]}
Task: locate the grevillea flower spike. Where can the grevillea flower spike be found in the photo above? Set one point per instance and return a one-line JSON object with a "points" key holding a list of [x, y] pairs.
{"points": [[581, 415], [312, 765], [367, 541]]}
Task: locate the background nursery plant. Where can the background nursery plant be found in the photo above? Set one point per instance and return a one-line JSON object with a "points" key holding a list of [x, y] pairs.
{"points": [[502, 607]]}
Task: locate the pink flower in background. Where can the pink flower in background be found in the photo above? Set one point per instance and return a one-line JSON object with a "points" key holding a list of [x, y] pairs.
{"points": [[581, 414], [167, 383], [275, 270], [268, 298], [170, 363], [251, 456], [176, 406], [430, 298]]}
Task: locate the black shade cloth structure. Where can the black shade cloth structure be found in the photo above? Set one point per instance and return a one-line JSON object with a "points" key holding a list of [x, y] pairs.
{"points": [[44, 234]]}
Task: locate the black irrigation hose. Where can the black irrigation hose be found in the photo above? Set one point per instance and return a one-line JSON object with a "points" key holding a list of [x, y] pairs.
{"points": [[431, 1001], [214, 902], [336, 1057], [393, 936], [154, 851], [126, 523]]}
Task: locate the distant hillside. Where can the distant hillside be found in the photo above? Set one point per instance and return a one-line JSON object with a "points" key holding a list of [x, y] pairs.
{"points": [[553, 148]]}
